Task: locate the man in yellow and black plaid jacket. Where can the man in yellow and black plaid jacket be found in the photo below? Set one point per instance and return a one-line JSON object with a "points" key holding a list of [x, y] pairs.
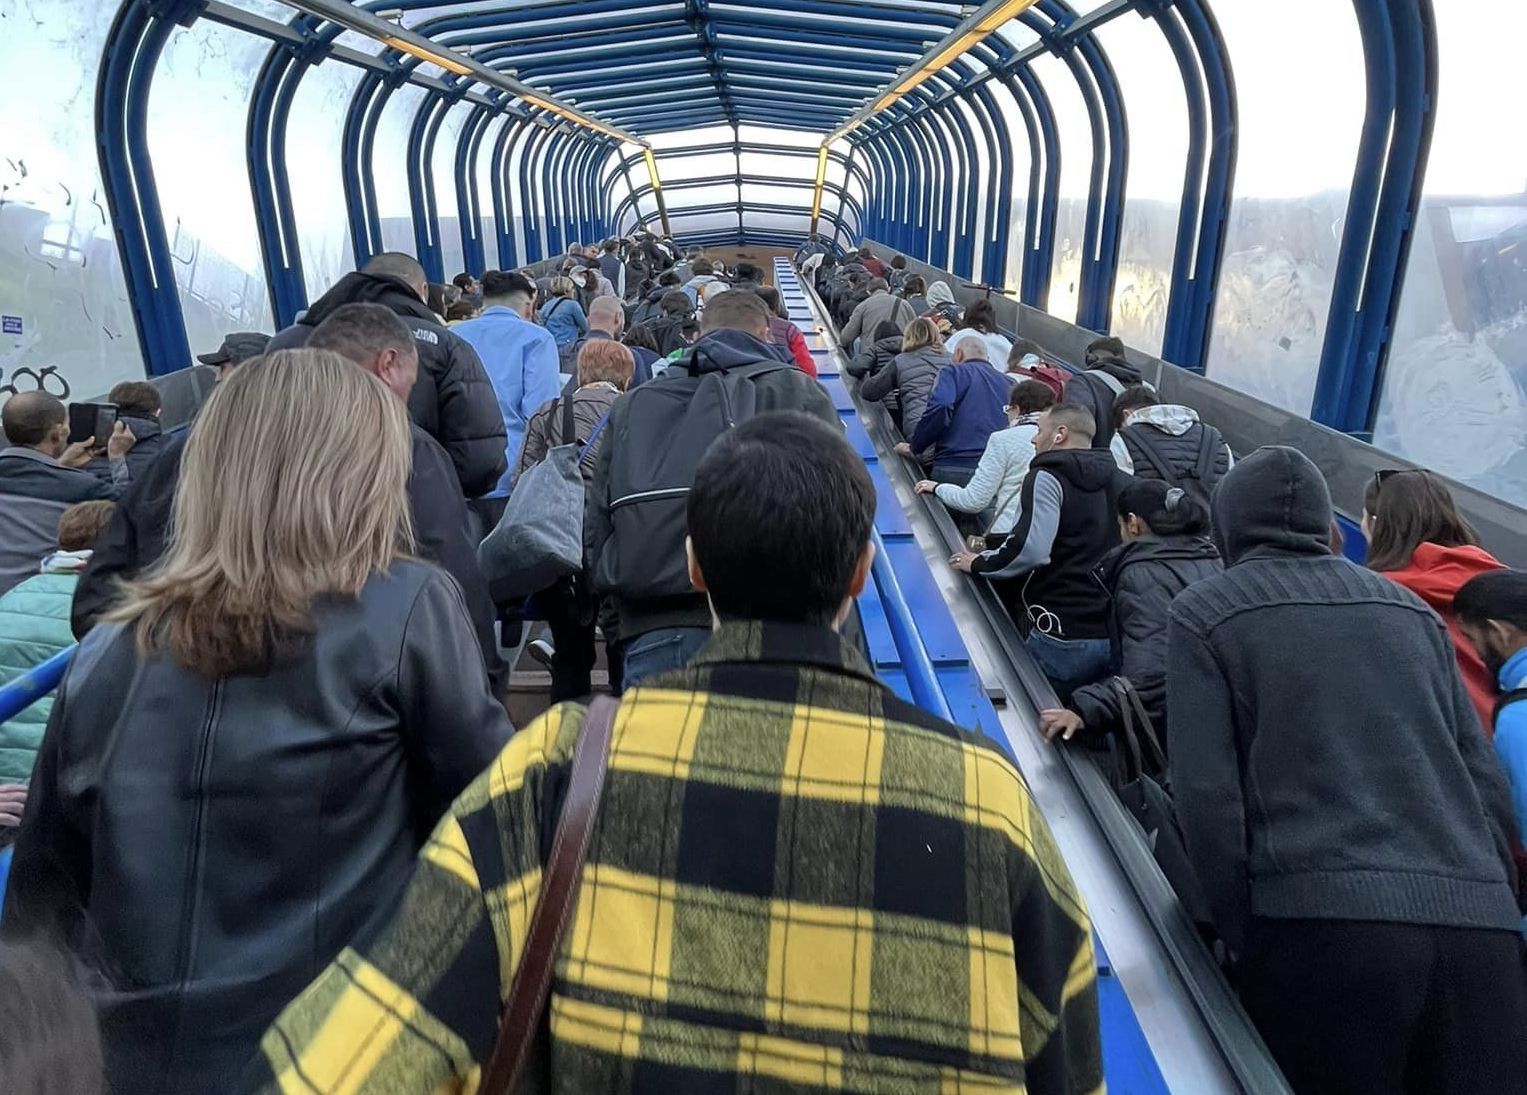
{"points": [[796, 881]]}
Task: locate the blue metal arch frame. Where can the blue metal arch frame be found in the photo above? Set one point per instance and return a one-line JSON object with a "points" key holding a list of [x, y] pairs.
{"points": [[1400, 43]]}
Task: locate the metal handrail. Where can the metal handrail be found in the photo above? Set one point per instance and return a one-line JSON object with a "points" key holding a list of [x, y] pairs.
{"points": [[922, 679], [19, 694]]}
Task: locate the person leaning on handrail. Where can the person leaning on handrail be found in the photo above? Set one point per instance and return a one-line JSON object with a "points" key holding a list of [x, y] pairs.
{"points": [[246, 755]]}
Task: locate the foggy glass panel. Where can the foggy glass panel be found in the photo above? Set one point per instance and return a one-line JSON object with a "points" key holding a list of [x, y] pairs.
{"points": [[1075, 131], [202, 171], [488, 228], [1016, 137], [1156, 107], [314, 138], [389, 167], [61, 283], [444, 166], [1455, 388], [1297, 147]]}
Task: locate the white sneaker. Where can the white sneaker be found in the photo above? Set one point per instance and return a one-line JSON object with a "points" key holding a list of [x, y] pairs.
{"points": [[542, 651]]}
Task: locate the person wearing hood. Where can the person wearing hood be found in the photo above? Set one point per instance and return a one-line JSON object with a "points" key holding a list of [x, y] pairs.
{"points": [[34, 626], [704, 283], [453, 400], [904, 386], [1043, 567], [942, 307], [662, 632], [1342, 809], [1103, 380], [877, 308], [1166, 441], [1417, 537], [1166, 549]]}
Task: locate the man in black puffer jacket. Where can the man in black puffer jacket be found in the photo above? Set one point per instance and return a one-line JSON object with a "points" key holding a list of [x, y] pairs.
{"points": [[453, 401]]}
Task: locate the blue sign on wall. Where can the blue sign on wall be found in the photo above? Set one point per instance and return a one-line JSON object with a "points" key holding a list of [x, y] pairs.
{"points": [[10, 325]]}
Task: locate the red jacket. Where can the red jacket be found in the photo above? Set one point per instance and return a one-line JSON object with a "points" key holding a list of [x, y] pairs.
{"points": [[784, 333], [1435, 574]]}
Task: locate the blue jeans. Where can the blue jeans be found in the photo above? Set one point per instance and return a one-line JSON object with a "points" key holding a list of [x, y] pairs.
{"points": [[1069, 663], [661, 651]]}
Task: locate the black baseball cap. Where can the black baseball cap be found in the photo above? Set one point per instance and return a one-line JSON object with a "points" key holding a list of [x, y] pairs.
{"points": [[236, 349]]}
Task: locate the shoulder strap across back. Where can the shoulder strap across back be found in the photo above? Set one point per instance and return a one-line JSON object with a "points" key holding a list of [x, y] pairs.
{"points": [[559, 894]]}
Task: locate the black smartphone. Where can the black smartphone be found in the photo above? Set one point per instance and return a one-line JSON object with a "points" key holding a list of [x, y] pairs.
{"points": [[92, 422]]}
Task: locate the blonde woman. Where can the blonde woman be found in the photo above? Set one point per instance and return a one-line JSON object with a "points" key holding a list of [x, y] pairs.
{"points": [[907, 382], [562, 315], [245, 758]]}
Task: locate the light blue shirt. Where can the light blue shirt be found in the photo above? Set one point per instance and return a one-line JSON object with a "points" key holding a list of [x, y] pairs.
{"points": [[521, 361], [1511, 734]]}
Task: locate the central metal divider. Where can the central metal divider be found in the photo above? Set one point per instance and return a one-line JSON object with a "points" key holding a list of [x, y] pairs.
{"points": [[1170, 1021]]}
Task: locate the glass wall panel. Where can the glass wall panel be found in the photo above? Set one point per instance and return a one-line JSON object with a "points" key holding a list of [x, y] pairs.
{"points": [[1015, 137], [1156, 106], [313, 145], [389, 167], [202, 172], [983, 176], [1301, 98], [1075, 130], [61, 284], [444, 166], [1455, 393], [488, 227]]}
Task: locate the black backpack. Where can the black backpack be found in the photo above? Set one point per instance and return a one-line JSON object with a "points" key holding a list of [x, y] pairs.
{"points": [[668, 426], [668, 332], [1198, 481]]}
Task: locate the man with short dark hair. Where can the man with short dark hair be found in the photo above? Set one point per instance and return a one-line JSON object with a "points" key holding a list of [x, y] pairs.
{"points": [[453, 399], [42, 474], [656, 433], [521, 360], [1043, 568], [1341, 807], [793, 873], [373, 337]]}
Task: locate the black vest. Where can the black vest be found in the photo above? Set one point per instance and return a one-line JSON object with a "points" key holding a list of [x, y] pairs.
{"points": [[1065, 586]]}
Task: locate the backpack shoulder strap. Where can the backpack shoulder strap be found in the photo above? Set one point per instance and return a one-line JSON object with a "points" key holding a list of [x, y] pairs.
{"points": [[521, 1020], [1111, 382], [1150, 448], [1506, 699], [1208, 452]]}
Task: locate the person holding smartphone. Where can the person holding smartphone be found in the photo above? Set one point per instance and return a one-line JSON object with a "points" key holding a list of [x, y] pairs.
{"points": [[42, 474]]}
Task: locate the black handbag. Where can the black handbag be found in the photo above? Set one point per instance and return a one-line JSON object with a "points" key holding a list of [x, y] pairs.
{"points": [[1140, 780]]}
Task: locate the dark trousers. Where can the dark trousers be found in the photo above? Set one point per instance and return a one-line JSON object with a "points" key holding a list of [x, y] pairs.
{"points": [[1350, 1007], [569, 612]]}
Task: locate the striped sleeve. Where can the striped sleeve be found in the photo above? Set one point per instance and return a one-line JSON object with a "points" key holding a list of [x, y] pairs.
{"points": [[415, 1006]]}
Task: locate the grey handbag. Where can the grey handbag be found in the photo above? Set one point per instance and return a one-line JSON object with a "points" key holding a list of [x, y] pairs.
{"points": [[539, 539]]}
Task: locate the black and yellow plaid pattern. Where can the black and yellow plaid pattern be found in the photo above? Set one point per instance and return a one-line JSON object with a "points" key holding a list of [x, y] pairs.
{"points": [[797, 882]]}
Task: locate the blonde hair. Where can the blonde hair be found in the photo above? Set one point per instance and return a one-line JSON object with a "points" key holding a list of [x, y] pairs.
{"points": [[292, 487], [920, 333], [563, 287], [607, 360]]}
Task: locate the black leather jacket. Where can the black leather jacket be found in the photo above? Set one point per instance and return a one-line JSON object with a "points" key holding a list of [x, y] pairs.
{"points": [[211, 845]]}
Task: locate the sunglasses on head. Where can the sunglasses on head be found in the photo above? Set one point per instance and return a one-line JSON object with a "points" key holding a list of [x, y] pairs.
{"points": [[1383, 475]]}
